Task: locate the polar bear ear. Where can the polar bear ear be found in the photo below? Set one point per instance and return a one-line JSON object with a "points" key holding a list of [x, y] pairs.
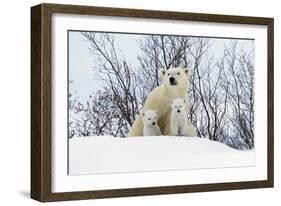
{"points": [[156, 111], [163, 71], [171, 102], [186, 70]]}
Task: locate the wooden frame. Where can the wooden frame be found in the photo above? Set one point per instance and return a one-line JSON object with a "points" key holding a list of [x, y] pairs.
{"points": [[41, 101]]}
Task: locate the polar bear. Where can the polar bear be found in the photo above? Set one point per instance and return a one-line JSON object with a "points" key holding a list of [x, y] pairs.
{"points": [[174, 85], [178, 119], [150, 123]]}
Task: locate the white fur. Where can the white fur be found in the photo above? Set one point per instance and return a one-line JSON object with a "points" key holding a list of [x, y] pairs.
{"points": [[159, 99], [150, 123], [179, 121]]}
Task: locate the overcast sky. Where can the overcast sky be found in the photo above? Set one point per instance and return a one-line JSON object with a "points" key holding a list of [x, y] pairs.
{"points": [[82, 66]]}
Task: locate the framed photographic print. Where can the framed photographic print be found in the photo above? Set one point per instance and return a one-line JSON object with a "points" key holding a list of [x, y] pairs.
{"points": [[128, 102]]}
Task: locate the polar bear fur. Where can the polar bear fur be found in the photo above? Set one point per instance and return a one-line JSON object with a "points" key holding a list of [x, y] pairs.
{"points": [[150, 123], [161, 96], [178, 120]]}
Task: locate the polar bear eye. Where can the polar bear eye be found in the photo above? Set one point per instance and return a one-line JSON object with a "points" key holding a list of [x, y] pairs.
{"points": [[168, 74], [148, 118], [178, 73]]}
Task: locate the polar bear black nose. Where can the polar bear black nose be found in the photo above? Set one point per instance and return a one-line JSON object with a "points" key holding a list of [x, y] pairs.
{"points": [[172, 79], [153, 123], [179, 111]]}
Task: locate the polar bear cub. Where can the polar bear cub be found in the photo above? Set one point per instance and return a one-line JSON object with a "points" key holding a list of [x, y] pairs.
{"points": [[150, 123], [179, 121]]}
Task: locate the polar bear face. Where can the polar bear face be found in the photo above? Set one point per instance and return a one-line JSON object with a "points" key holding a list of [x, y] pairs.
{"points": [[178, 105], [150, 117], [175, 77]]}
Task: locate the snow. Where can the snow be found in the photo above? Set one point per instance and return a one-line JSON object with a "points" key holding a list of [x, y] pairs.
{"points": [[103, 154]]}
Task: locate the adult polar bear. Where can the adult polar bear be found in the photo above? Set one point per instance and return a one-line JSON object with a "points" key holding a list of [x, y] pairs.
{"points": [[174, 85]]}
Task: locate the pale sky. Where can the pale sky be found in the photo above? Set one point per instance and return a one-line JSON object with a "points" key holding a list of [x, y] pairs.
{"points": [[82, 65]]}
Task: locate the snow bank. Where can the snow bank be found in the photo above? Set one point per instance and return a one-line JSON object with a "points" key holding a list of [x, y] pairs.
{"points": [[92, 155]]}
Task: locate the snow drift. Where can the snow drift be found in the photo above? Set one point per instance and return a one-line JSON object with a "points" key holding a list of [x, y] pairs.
{"points": [[103, 154]]}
